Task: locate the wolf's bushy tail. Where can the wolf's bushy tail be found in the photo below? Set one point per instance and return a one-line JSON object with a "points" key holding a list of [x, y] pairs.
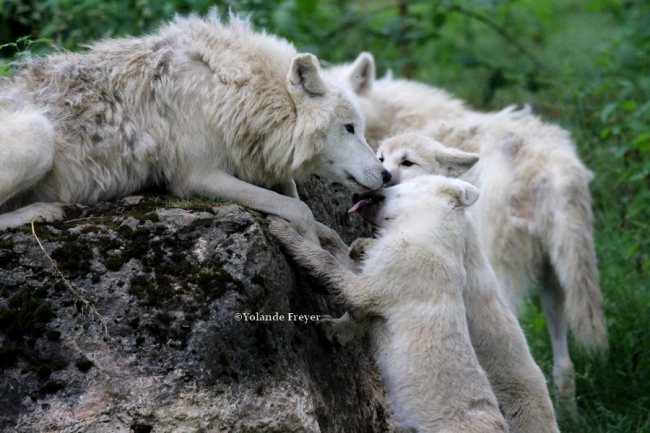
{"points": [[565, 223]]}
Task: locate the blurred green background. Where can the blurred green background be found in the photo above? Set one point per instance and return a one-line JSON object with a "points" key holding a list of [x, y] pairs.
{"points": [[582, 64]]}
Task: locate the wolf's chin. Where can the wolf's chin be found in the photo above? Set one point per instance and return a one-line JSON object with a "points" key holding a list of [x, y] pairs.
{"points": [[354, 185]]}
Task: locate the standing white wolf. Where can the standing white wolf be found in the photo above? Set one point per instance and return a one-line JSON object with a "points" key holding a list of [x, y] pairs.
{"points": [[534, 214], [203, 107], [440, 324]]}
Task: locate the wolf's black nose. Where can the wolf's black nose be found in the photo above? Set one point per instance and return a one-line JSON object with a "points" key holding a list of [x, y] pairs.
{"points": [[386, 176]]}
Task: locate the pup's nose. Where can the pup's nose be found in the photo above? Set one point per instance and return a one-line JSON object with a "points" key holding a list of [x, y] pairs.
{"points": [[386, 176]]}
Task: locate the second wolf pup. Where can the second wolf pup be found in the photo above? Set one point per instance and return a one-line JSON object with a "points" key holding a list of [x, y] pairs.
{"points": [[442, 324]]}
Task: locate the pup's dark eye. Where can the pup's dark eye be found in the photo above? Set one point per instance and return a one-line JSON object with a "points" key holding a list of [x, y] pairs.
{"points": [[350, 128], [407, 163], [381, 159]]}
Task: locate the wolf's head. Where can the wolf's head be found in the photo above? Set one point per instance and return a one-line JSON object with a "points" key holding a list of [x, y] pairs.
{"points": [[416, 203], [410, 155], [329, 135], [359, 77]]}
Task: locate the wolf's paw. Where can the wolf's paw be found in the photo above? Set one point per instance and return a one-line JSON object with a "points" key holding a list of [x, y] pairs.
{"points": [[47, 212], [51, 212], [282, 229], [75, 211], [359, 247], [338, 332], [288, 235]]}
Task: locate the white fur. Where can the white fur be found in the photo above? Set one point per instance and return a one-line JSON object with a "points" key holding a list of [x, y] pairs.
{"points": [[534, 214], [440, 324], [201, 106]]}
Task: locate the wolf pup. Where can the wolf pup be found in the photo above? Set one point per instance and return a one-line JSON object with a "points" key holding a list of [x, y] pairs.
{"points": [[420, 154], [442, 334], [203, 107], [534, 215]]}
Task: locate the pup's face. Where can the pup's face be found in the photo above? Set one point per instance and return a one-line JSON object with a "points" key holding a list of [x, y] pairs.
{"points": [[415, 201], [410, 155]]}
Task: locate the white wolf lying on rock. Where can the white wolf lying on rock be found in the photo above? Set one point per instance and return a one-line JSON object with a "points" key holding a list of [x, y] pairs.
{"points": [[440, 324], [534, 214], [202, 107]]}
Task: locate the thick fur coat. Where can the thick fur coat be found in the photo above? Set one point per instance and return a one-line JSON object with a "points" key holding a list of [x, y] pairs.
{"points": [[534, 214], [203, 107], [441, 331]]}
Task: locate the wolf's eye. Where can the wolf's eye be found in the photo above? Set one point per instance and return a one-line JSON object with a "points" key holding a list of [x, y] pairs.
{"points": [[381, 159], [407, 163], [350, 128]]}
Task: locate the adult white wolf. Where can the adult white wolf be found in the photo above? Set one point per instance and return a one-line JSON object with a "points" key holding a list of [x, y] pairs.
{"points": [[203, 107], [445, 342], [534, 214]]}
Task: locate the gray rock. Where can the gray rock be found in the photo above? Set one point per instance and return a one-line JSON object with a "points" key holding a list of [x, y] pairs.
{"points": [[167, 353]]}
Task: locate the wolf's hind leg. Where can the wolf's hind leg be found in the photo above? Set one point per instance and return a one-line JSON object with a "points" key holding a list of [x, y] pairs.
{"points": [[553, 298], [26, 150]]}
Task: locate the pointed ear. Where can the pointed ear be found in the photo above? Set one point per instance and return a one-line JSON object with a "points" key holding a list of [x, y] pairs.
{"points": [[362, 74], [455, 162], [465, 193], [304, 76]]}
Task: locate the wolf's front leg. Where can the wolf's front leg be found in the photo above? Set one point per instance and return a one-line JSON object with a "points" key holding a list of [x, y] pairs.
{"points": [[359, 247], [324, 266], [343, 330], [333, 244], [228, 187], [287, 188]]}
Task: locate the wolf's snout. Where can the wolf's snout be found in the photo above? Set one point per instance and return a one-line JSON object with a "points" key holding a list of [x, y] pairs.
{"points": [[386, 176]]}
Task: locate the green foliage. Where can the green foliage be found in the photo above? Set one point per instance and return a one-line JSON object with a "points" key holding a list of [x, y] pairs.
{"points": [[582, 64], [22, 48]]}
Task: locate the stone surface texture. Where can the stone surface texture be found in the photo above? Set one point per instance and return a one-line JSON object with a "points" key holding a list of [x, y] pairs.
{"points": [[159, 349]]}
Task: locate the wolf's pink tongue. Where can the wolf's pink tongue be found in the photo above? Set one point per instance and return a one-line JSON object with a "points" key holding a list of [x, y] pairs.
{"points": [[360, 203]]}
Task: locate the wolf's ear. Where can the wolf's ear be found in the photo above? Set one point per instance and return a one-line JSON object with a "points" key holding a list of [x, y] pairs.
{"points": [[455, 162], [465, 193], [362, 74], [304, 76]]}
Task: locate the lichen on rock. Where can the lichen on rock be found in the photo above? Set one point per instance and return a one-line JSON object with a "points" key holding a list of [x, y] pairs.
{"points": [[168, 282]]}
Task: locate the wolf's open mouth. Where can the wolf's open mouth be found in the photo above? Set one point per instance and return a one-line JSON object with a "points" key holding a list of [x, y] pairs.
{"points": [[369, 198], [360, 203]]}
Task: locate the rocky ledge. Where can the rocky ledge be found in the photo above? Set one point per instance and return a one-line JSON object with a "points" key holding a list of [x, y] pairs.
{"points": [[159, 347]]}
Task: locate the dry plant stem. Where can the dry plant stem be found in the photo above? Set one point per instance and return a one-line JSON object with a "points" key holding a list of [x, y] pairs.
{"points": [[90, 306]]}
